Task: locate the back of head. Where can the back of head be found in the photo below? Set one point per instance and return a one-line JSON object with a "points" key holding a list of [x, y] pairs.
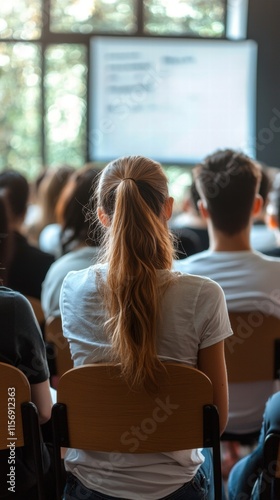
{"points": [[194, 196], [132, 194], [273, 208], [5, 239], [49, 191], [72, 207], [17, 191], [228, 182], [265, 186]]}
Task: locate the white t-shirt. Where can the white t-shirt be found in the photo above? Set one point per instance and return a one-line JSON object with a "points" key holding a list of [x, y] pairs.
{"points": [[71, 261], [194, 316], [251, 281]]}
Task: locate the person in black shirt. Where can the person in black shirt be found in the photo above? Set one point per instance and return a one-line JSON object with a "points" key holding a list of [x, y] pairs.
{"points": [[22, 346], [27, 265]]}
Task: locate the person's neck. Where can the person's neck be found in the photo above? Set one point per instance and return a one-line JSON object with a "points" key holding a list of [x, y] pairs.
{"points": [[221, 242]]}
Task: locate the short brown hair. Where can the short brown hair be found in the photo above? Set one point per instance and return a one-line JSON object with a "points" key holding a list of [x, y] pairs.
{"points": [[228, 181]]}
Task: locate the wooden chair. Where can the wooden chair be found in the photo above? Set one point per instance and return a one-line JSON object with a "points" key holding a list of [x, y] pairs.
{"points": [[96, 409], [38, 311], [19, 422], [253, 352], [61, 352], [270, 477]]}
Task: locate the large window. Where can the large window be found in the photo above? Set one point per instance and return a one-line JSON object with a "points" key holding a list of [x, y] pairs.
{"points": [[44, 67]]}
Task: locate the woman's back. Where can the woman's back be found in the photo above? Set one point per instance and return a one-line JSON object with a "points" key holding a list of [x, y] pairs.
{"points": [[134, 310]]}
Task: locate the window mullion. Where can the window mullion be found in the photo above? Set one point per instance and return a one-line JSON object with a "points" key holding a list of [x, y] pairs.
{"points": [[140, 16]]}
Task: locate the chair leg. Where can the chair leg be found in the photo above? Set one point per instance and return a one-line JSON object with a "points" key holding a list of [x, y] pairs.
{"points": [[32, 437]]}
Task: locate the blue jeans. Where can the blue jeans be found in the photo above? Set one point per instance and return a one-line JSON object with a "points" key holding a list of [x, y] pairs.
{"points": [[244, 478], [199, 488]]}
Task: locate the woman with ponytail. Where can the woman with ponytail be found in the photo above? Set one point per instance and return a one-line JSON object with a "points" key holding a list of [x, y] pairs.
{"points": [[133, 310]]}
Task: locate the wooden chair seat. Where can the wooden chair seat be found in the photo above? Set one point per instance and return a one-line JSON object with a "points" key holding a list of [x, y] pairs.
{"points": [[19, 421], [96, 408]]}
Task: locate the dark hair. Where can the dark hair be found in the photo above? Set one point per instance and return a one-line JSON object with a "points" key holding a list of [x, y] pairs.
{"points": [[72, 209], [228, 181], [5, 240], [194, 196], [49, 192], [265, 186], [17, 190]]}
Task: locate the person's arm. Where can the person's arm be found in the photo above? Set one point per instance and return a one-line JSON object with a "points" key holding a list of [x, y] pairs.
{"points": [[211, 361], [41, 397]]}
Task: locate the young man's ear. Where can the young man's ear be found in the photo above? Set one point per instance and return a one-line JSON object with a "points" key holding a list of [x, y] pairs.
{"points": [[103, 217], [202, 207], [258, 204]]}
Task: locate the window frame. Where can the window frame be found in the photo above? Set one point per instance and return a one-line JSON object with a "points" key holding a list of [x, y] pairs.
{"points": [[53, 38]]}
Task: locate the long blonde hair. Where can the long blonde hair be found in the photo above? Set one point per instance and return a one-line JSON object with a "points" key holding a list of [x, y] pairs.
{"points": [[132, 192]]}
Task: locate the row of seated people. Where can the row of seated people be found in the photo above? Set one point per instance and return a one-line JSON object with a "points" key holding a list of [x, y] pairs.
{"points": [[26, 265], [191, 228], [64, 195], [193, 322]]}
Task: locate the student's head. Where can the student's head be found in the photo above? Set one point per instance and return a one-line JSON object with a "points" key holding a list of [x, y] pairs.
{"points": [[273, 207], [134, 206], [5, 238], [49, 191], [72, 206], [133, 201], [17, 192], [194, 197], [265, 186], [228, 183]]}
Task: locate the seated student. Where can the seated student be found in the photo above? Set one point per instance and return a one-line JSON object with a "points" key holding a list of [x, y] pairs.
{"points": [[273, 217], [32, 219], [262, 236], [244, 478], [79, 237], [49, 192], [28, 265], [228, 184], [21, 345], [133, 310], [189, 227]]}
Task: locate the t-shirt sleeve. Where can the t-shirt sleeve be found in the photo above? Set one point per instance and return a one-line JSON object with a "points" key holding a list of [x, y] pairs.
{"points": [[29, 343], [213, 325]]}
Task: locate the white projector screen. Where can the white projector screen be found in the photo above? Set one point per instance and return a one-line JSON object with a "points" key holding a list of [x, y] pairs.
{"points": [[173, 100]]}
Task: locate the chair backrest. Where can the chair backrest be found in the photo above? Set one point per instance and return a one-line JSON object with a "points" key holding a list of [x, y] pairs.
{"points": [[96, 410], [252, 352], [54, 337], [19, 421], [37, 308], [270, 478]]}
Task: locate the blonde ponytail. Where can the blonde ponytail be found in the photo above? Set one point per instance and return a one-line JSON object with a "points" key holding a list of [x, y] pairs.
{"points": [[132, 192]]}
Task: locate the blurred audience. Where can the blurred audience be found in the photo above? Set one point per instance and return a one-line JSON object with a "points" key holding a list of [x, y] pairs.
{"points": [[79, 238], [21, 345], [45, 230], [33, 213], [262, 237], [189, 227], [27, 264], [5, 239], [273, 216]]}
